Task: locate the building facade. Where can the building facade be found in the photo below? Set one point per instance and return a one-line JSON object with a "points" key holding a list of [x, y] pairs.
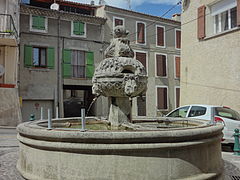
{"points": [[156, 43], [58, 53], [210, 53], [59, 50], [10, 114]]}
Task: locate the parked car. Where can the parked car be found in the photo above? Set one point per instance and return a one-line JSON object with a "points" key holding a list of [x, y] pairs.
{"points": [[215, 114]]}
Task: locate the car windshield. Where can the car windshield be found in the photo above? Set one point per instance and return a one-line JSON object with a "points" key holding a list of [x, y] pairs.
{"points": [[181, 112], [227, 113]]}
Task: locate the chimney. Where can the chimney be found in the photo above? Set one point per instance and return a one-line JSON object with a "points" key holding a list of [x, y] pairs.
{"points": [[176, 17], [92, 3]]}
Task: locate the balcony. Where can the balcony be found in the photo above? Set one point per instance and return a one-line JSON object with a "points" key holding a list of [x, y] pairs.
{"points": [[8, 31]]}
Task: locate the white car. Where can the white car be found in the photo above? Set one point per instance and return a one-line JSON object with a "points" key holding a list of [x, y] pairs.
{"points": [[215, 114]]}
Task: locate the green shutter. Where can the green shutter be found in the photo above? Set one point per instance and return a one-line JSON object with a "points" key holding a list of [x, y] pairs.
{"points": [[35, 22], [67, 56], [67, 70], [89, 64], [28, 56], [90, 58], [67, 67], [50, 57], [41, 22], [89, 71], [81, 28], [76, 28]]}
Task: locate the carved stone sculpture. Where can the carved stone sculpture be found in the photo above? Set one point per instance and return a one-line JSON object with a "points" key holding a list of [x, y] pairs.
{"points": [[119, 75]]}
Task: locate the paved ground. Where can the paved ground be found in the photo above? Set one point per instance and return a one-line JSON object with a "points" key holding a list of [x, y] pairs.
{"points": [[9, 155]]}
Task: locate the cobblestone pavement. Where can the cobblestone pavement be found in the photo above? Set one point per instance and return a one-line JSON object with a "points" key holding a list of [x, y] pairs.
{"points": [[9, 156]]}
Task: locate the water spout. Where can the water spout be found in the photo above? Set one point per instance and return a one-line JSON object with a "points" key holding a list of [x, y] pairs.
{"points": [[93, 101]]}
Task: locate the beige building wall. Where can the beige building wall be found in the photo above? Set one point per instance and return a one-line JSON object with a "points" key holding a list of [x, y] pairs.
{"points": [[10, 114], [130, 18], [210, 68]]}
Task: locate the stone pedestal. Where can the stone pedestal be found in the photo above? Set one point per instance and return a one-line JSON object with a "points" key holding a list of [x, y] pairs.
{"points": [[120, 110]]}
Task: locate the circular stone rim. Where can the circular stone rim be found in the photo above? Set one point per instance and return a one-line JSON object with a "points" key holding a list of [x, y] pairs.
{"points": [[33, 130]]}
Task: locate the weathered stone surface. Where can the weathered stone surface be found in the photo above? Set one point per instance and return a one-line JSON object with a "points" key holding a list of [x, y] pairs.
{"points": [[193, 153], [119, 75]]}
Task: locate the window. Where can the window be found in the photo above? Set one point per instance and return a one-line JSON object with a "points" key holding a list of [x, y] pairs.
{"points": [[224, 14], [78, 64], [181, 112], [162, 98], [227, 113], [118, 21], [160, 36], [141, 105], [38, 23], [177, 39], [39, 56], [197, 111], [177, 67], [142, 57], [177, 96], [78, 29], [141, 33], [161, 65]]}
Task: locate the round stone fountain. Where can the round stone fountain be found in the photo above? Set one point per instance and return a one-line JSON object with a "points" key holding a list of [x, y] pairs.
{"points": [[150, 148]]}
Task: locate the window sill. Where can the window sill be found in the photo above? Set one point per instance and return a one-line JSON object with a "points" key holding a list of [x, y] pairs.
{"points": [[41, 69], [38, 31], [142, 44], [79, 36], [221, 33]]}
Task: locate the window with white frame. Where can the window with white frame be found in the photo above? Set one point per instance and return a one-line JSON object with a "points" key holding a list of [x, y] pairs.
{"points": [[118, 21], [38, 23], [224, 14], [141, 33], [78, 28]]}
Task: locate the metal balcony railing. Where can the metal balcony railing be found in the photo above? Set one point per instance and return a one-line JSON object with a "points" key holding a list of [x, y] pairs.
{"points": [[7, 25]]}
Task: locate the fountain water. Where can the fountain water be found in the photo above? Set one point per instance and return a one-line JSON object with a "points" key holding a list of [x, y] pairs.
{"points": [[156, 148]]}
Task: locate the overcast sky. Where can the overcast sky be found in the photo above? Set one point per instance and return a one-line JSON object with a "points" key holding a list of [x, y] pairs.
{"points": [[154, 7]]}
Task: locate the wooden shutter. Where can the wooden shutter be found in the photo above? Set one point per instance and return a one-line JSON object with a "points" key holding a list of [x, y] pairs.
{"points": [[178, 39], [81, 28], [162, 98], [34, 22], [67, 67], [161, 65], [238, 12], [160, 36], [28, 56], [141, 33], [76, 28], [50, 57], [89, 64], [142, 58], [118, 22], [177, 97], [201, 22], [177, 67], [41, 22]]}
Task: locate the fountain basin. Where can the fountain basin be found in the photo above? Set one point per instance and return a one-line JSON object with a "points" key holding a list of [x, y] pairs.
{"points": [[190, 152]]}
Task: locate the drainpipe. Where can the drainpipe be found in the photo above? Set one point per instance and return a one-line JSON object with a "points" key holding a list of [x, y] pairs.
{"points": [[58, 66]]}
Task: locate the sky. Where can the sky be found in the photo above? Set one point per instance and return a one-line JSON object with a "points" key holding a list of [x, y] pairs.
{"points": [[153, 7]]}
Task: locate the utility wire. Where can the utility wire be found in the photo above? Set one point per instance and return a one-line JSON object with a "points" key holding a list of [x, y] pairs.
{"points": [[174, 6], [178, 26]]}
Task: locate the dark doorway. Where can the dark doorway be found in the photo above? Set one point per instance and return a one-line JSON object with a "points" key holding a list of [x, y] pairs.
{"points": [[75, 98]]}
